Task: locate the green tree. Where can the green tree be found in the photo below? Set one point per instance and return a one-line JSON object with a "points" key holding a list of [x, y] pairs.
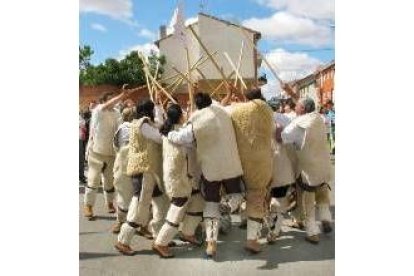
{"points": [[85, 54], [127, 70]]}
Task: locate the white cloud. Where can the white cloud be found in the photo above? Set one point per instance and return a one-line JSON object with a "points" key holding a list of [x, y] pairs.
{"points": [[291, 65], [288, 66], [317, 9], [146, 49], [187, 22], [117, 9], [289, 28], [147, 34], [98, 27]]}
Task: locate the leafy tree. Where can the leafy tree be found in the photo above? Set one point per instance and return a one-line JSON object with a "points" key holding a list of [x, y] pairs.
{"points": [[127, 70], [85, 54]]}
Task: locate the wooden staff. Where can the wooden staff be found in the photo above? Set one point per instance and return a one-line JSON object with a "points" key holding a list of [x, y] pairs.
{"points": [[240, 59], [201, 60], [155, 76], [155, 81], [210, 56], [148, 74], [180, 80], [184, 76], [189, 82], [221, 84], [161, 88], [146, 78], [263, 57], [204, 78], [235, 69]]}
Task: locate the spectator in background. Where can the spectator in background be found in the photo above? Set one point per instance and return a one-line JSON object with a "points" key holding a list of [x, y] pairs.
{"points": [[289, 109], [82, 145], [331, 116], [327, 122]]}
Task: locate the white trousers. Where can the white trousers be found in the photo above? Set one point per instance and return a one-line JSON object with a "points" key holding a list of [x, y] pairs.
{"points": [[312, 200], [99, 167], [139, 210], [124, 192]]}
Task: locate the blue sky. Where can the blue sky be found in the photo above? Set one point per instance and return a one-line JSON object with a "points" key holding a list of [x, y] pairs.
{"points": [[297, 35]]}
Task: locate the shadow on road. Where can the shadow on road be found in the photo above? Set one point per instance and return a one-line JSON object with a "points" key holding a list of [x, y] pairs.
{"points": [[94, 255], [291, 247]]}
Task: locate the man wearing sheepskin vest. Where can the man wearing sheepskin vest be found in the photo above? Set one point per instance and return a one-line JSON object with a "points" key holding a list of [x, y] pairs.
{"points": [[283, 179], [253, 126], [307, 133], [122, 182], [181, 180], [145, 168], [211, 129], [101, 155]]}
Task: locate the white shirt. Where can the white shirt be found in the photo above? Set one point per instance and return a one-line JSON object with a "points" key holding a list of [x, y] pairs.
{"points": [[183, 136], [151, 132], [293, 134], [281, 119], [292, 115], [122, 134], [158, 115]]}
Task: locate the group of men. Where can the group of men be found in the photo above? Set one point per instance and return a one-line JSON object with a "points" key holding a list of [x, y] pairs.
{"points": [[170, 170]]}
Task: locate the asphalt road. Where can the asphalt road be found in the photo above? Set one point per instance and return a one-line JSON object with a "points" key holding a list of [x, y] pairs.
{"points": [[290, 255]]}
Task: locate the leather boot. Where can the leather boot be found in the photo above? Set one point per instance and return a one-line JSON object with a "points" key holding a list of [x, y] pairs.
{"points": [[124, 249], [111, 208], [252, 246], [211, 249], [191, 239], [272, 237], [116, 228], [162, 251], [87, 211], [312, 239]]}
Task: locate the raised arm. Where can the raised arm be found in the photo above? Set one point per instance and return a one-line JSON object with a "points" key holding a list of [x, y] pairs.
{"points": [[112, 102], [183, 136]]}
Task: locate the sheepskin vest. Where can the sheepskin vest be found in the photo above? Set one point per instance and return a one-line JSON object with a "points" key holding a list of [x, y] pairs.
{"points": [[144, 155], [175, 164], [253, 125], [121, 158], [216, 144], [105, 126], [283, 170], [314, 163]]}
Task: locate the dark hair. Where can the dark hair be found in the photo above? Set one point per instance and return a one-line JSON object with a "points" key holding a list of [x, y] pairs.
{"points": [[262, 78], [202, 100], [174, 113], [255, 94], [290, 103], [105, 97], [145, 108], [308, 104]]}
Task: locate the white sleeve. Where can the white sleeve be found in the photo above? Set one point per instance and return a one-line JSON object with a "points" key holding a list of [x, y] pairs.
{"points": [[158, 115], [292, 134], [151, 133], [183, 136], [282, 119]]}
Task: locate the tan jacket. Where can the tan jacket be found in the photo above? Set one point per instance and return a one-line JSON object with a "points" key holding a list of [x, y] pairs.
{"points": [[253, 125]]}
